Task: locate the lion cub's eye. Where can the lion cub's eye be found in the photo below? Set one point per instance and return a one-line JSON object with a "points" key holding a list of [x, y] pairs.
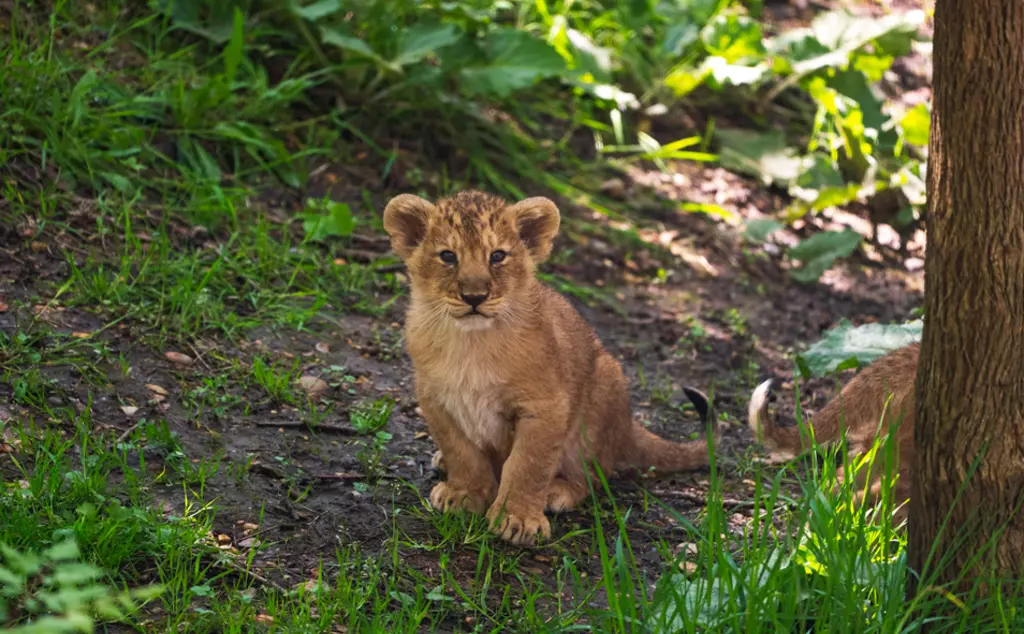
{"points": [[448, 257], [498, 256]]}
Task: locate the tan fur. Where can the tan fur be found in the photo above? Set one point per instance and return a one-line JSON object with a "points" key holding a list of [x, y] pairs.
{"points": [[519, 396], [886, 387]]}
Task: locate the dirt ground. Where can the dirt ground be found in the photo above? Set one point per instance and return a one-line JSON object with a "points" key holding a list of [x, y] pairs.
{"points": [[726, 318]]}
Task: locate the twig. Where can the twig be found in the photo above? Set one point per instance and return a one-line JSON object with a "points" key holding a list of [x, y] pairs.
{"points": [[337, 429], [250, 573], [128, 432]]}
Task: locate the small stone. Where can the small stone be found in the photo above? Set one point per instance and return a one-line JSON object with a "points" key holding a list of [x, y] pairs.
{"points": [[313, 386]]}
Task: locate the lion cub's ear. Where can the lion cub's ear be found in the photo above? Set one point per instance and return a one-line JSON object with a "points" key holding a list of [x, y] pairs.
{"points": [[405, 220], [537, 220]]}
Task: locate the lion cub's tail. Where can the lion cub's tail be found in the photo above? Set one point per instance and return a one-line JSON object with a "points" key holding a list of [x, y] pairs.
{"points": [[665, 456], [787, 441]]}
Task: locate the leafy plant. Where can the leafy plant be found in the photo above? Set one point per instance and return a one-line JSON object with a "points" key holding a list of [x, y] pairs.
{"points": [[845, 346], [371, 417], [326, 219], [53, 592]]}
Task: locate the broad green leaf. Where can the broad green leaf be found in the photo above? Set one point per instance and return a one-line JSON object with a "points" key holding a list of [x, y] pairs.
{"points": [[842, 30], [420, 40], [873, 66], [916, 125], [316, 10], [217, 25], [846, 346], [684, 80], [347, 42], [335, 220], [762, 154], [516, 60], [62, 551], [760, 228], [680, 37], [836, 35], [589, 57], [734, 74], [734, 38], [820, 251]]}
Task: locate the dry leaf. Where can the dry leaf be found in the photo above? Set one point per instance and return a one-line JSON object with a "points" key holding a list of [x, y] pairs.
{"points": [[322, 348], [156, 389], [81, 335], [129, 410], [179, 358], [264, 619], [420, 435], [39, 247], [249, 542], [223, 538]]}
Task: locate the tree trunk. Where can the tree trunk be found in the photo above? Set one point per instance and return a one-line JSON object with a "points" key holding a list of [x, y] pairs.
{"points": [[970, 381]]}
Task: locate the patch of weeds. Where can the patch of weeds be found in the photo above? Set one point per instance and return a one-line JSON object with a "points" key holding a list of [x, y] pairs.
{"points": [[214, 395], [277, 381], [372, 454], [695, 337], [737, 323], [367, 418]]}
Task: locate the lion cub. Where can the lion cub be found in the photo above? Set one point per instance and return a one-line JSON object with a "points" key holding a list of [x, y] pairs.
{"points": [[885, 387], [516, 389]]}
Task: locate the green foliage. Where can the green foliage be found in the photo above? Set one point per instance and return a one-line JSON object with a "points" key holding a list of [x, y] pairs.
{"points": [[818, 252], [326, 219], [54, 592], [846, 346]]}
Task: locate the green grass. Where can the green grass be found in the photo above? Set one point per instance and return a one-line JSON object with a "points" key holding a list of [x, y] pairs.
{"points": [[153, 166]]}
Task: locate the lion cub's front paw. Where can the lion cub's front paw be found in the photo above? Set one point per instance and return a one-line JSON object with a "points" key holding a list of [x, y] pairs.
{"points": [[448, 498], [518, 525]]}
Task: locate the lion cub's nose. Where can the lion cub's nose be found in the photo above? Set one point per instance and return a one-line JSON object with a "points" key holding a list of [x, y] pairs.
{"points": [[475, 299]]}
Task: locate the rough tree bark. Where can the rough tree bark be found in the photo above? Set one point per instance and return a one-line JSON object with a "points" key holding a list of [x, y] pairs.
{"points": [[970, 381]]}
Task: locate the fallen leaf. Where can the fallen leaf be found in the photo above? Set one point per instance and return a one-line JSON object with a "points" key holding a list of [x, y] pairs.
{"points": [[156, 389], [179, 358], [312, 385], [39, 247], [264, 619], [129, 410], [420, 435], [322, 348], [223, 538], [81, 335], [249, 542], [249, 526]]}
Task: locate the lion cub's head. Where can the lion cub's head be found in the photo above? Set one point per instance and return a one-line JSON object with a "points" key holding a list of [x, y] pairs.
{"points": [[471, 257]]}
